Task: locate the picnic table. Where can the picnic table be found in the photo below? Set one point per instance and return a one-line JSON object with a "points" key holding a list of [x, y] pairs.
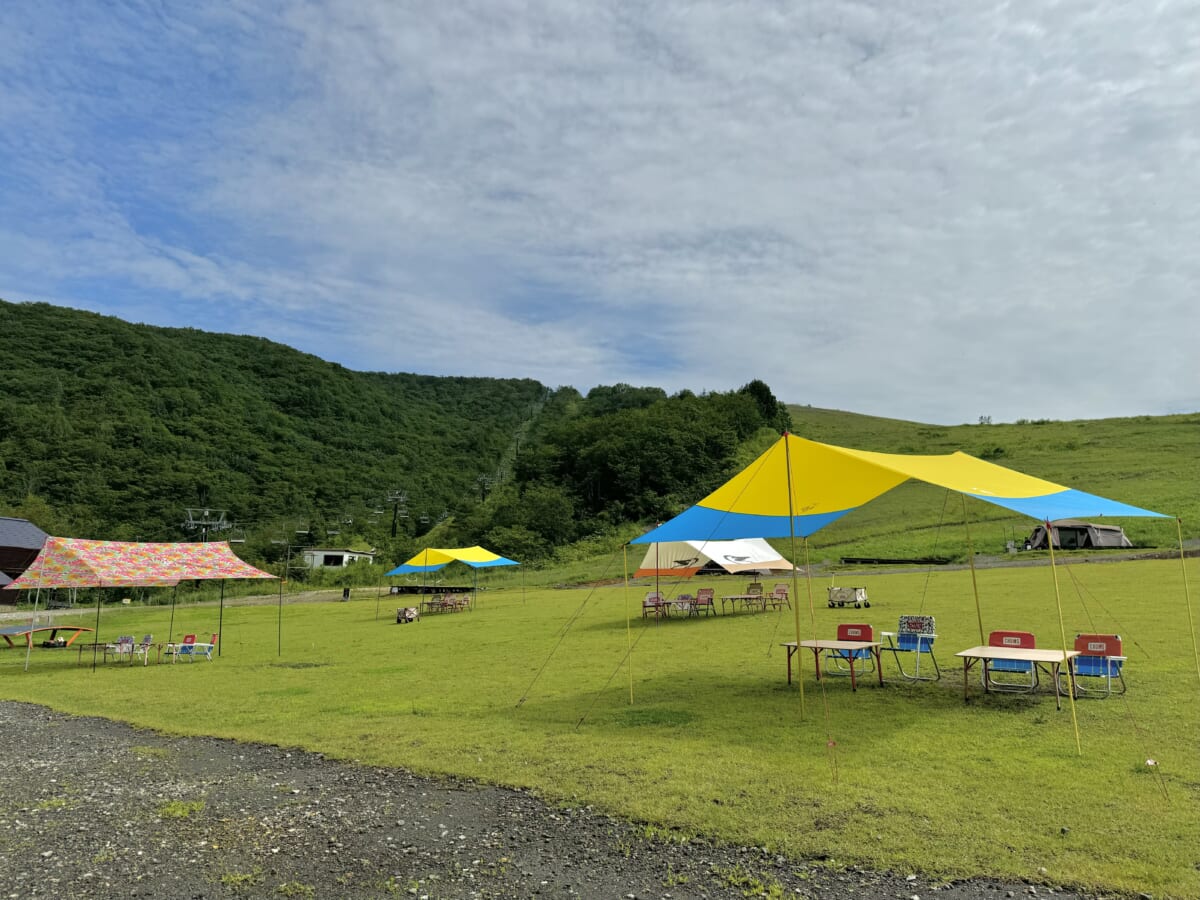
{"points": [[9, 632]]}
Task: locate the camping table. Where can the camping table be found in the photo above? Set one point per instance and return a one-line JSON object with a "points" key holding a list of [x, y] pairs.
{"points": [[1052, 658], [818, 646], [94, 648], [747, 600], [684, 603]]}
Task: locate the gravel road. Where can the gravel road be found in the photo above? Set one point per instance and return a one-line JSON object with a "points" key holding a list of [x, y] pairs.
{"points": [[91, 808]]}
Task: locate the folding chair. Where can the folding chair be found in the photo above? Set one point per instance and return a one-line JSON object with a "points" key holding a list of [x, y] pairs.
{"points": [[1098, 663], [143, 649], [915, 635], [186, 647], [837, 662], [1028, 672], [754, 596], [122, 649], [778, 598], [207, 650], [654, 605], [703, 604]]}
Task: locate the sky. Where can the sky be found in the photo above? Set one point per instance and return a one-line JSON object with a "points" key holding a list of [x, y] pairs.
{"points": [[921, 209]]}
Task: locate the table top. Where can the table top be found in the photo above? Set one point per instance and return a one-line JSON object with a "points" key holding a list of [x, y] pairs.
{"points": [[15, 630], [836, 645], [1022, 654]]}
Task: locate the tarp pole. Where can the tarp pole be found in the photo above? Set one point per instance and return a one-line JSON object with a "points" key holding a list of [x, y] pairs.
{"points": [[378, 592], [628, 628], [1187, 595], [795, 582], [287, 563], [971, 563], [1062, 633], [171, 626], [221, 618], [33, 612], [95, 643], [657, 566], [32, 623]]}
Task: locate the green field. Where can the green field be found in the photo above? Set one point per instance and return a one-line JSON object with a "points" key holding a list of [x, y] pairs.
{"points": [[696, 731]]}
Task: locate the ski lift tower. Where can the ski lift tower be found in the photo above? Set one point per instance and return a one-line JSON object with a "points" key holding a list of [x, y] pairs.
{"points": [[206, 520]]}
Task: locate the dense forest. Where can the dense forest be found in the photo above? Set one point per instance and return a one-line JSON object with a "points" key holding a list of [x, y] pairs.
{"points": [[114, 430]]}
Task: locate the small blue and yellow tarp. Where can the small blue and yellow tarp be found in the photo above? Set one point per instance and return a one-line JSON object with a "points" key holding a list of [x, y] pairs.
{"points": [[430, 560]]}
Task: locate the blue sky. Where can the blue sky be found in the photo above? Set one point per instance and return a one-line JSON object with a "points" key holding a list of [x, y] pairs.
{"points": [[923, 210]]}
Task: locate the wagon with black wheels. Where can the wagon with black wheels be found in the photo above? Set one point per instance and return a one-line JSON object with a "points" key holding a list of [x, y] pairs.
{"points": [[848, 596]]}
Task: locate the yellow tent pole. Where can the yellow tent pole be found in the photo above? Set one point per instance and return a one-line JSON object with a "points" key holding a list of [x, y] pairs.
{"points": [[971, 562], [628, 631], [795, 582], [1187, 595], [1062, 633], [812, 617]]}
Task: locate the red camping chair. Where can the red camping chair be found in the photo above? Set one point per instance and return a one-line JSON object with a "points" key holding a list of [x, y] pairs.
{"points": [[838, 662], [1028, 672]]}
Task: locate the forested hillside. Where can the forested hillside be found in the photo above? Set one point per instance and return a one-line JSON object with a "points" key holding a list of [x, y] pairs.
{"points": [[111, 430]]}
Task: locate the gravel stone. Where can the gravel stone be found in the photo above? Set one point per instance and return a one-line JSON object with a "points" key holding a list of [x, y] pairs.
{"points": [[91, 808]]}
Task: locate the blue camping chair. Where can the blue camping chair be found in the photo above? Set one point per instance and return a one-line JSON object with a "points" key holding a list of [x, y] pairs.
{"points": [[1098, 663], [915, 635], [1027, 672], [837, 662]]}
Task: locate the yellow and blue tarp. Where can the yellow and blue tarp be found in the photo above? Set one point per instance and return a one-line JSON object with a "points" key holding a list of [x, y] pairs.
{"points": [[430, 560], [799, 486]]}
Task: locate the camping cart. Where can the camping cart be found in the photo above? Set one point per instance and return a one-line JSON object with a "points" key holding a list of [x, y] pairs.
{"points": [[848, 596]]}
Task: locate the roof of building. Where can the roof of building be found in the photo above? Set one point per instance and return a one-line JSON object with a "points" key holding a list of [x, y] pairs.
{"points": [[20, 541]]}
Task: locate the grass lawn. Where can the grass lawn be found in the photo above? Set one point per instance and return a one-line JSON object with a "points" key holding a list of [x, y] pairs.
{"points": [[533, 688]]}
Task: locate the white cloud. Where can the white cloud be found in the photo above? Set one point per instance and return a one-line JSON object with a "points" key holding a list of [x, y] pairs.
{"points": [[919, 212]]}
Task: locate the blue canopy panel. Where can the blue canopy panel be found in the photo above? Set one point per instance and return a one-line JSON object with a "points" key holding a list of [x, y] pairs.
{"points": [[703, 524], [1068, 504], [487, 564], [408, 569]]}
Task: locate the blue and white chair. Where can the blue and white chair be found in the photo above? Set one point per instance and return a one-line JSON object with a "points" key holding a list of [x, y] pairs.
{"points": [[1098, 663], [915, 635]]}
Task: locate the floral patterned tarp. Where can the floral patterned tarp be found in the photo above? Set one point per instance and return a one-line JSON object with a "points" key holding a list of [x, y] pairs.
{"points": [[76, 563]]}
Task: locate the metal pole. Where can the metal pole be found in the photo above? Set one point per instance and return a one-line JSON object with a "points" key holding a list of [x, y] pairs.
{"points": [[95, 644], [279, 621], [220, 617]]}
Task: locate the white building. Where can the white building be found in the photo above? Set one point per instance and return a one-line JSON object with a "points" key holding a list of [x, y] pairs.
{"points": [[320, 557]]}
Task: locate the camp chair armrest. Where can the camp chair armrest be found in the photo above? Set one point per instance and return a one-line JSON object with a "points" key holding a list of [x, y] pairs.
{"points": [[891, 634]]}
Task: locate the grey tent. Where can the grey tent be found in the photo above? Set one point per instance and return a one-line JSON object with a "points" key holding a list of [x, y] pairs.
{"points": [[1072, 534]]}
